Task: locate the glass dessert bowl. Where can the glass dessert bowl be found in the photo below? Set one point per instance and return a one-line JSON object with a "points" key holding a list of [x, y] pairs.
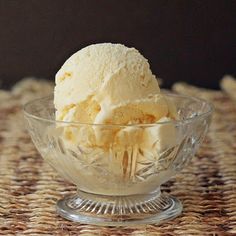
{"points": [[118, 177]]}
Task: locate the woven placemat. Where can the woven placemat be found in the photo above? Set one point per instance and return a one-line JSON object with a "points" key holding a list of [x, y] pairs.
{"points": [[29, 188]]}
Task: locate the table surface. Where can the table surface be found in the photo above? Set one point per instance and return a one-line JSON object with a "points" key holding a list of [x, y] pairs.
{"points": [[29, 188]]}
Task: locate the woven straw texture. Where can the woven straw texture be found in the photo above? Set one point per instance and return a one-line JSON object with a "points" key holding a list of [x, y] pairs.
{"points": [[29, 188]]}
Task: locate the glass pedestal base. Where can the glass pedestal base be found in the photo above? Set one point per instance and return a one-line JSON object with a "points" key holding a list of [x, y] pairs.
{"points": [[130, 210]]}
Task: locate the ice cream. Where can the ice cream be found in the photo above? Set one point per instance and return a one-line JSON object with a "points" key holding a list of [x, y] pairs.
{"points": [[109, 84], [112, 84]]}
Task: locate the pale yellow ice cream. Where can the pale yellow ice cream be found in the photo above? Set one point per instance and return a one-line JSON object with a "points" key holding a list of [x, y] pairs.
{"points": [[108, 84], [113, 85]]}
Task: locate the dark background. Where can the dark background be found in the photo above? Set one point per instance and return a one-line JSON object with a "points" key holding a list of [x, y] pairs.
{"points": [[193, 41]]}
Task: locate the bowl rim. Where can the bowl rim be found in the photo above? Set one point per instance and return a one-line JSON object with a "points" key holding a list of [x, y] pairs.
{"points": [[174, 122]]}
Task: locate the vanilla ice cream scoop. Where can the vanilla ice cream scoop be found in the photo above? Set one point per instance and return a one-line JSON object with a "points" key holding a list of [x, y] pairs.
{"points": [[112, 84]]}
